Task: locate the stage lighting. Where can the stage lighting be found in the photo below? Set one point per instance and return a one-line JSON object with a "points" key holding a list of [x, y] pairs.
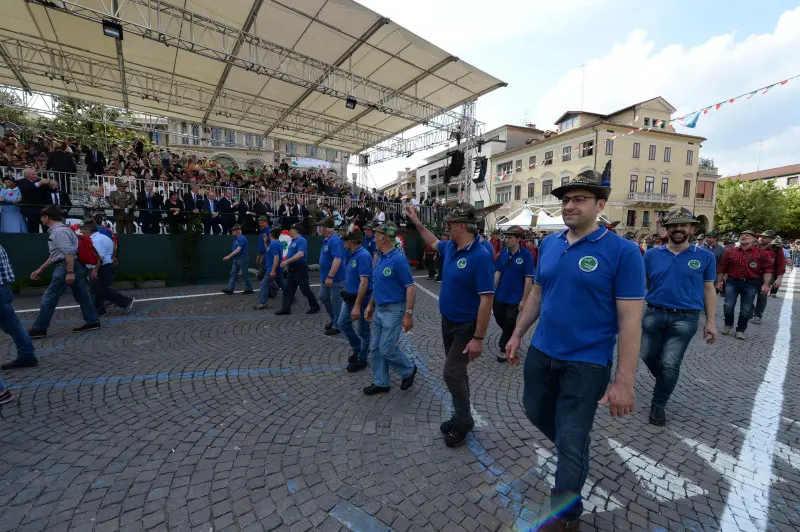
{"points": [[112, 29], [350, 103]]}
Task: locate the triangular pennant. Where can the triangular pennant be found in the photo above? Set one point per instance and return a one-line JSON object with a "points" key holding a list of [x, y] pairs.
{"points": [[732, 100], [752, 94], [718, 106], [784, 82]]}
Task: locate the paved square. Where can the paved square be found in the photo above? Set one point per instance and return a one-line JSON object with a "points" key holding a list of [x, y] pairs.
{"points": [[199, 413]]}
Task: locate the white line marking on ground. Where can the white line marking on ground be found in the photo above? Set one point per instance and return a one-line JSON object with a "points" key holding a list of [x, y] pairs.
{"points": [[434, 296], [747, 504], [145, 300]]}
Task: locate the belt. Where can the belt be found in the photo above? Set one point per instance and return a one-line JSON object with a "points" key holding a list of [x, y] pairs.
{"points": [[673, 310]]}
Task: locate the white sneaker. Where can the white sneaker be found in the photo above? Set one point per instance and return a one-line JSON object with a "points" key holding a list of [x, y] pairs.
{"points": [[756, 320], [726, 330], [739, 335]]}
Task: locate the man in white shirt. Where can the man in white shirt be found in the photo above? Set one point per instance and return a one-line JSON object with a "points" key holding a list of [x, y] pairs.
{"points": [[100, 284], [414, 201]]}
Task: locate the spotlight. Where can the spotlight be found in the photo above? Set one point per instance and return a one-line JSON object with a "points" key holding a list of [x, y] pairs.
{"points": [[350, 103], [112, 29]]}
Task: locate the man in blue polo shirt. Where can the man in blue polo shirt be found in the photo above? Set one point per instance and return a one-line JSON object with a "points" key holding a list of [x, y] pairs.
{"points": [[589, 287], [465, 302], [369, 242], [296, 262], [357, 293], [331, 274], [273, 273], [263, 240], [240, 257], [512, 282], [680, 285], [390, 310]]}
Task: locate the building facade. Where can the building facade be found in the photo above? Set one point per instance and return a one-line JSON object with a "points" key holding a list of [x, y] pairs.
{"points": [[403, 186], [652, 171], [245, 150], [782, 176]]}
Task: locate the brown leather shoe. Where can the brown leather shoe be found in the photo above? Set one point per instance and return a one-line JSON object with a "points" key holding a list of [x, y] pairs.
{"points": [[557, 525]]}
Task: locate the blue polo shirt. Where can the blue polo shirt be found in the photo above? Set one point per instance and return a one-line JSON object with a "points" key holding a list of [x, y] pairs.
{"points": [[677, 281], [488, 246], [262, 247], [359, 265], [332, 248], [275, 249], [369, 245], [581, 284], [298, 244], [391, 277], [104, 230], [516, 269], [466, 273], [240, 242]]}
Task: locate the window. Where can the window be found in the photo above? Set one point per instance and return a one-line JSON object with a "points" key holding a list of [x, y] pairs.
{"points": [[636, 148], [531, 161], [792, 181], [517, 192], [651, 154], [216, 136], [568, 123], [647, 121], [518, 165], [687, 188], [311, 150], [422, 180], [634, 183], [705, 189], [479, 204], [184, 133], [566, 153], [332, 154], [531, 190], [565, 181], [663, 125], [504, 168], [587, 149], [649, 184], [290, 147], [630, 220], [667, 154], [502, 196], [547, 187], [689, 156], [609, 147], [548, 158], [230, 137], [665, 185], [646, 219]]}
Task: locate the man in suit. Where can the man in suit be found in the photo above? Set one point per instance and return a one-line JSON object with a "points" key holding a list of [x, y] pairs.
{"points": [[193, 201], [62, 163], [60, 198], [261, 206], [285, 212], [150, 205], [95, 161], [211, 214], [35, 195], [246, 215], [227, 216]]}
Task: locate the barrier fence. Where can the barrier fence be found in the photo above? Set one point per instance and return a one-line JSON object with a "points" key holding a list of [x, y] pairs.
{"points": [[80, 187]]}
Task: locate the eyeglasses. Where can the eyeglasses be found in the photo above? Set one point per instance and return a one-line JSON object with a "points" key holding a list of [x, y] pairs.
{"points": [[577, 200]]}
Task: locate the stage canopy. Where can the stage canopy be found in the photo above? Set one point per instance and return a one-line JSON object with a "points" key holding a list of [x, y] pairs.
{"points": [[290, 68]]}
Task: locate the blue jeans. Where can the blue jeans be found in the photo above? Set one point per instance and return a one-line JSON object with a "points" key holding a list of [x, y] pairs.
{"points": [[331, 299], [748, 290], [386, 326], [263, 290], [240, 264], [54, 292], [359, 342], [10, 324], [665, 337], [560, 399]]}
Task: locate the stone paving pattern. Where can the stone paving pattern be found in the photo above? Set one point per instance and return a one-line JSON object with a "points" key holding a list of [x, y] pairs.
{"points": [[201, 414]]}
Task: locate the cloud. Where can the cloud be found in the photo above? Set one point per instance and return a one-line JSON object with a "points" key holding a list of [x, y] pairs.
{"points": [[696, 76], [779, 150]]}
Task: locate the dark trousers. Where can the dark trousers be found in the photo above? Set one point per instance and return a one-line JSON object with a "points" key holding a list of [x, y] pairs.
{"points": [[102, 290], [430, 263], [665, 337], [32, 220], [747, 289], [505, 314], [150, 224], [456, 336], [761, 300], [560, 399], [210, 227], [297, 277], [439, 266]]}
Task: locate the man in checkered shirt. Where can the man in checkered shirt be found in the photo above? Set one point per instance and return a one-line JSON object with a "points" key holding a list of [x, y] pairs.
{"points": [[10, 323], [747, 269]]}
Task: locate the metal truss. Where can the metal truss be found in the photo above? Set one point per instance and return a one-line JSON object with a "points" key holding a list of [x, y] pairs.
{"points": [[147, 84], [173, 26], [464, 126]]}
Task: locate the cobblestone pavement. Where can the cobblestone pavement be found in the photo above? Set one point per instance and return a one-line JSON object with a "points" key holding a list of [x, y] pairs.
{"points": [[200, 413]]}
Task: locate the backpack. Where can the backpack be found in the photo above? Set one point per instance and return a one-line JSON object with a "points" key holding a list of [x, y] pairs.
{"points": [[87, 254]]}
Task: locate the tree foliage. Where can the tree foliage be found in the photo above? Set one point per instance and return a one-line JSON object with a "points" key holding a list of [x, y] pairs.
{"points": [[8, 112], [791, 219], [756, 205]]}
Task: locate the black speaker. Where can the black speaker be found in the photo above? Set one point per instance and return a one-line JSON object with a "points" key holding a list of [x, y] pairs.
{"points": [[364, 160], [480, 169], [456, 163]]}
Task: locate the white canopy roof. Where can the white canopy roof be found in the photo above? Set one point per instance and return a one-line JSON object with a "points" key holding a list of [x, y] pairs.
{"points": [[273, 67], [522, 218]]}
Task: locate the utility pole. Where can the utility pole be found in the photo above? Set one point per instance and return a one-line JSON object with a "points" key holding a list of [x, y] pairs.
{"points": [[760, 149], [583, 83]]}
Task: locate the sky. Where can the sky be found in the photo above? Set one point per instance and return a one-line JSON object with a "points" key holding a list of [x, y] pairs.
{"points": [[694, 54]]}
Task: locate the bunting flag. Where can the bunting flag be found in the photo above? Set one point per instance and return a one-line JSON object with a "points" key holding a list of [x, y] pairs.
{"points": [[689, 120]]}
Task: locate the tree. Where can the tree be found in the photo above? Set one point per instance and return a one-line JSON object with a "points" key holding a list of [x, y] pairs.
{"points": [[758, 205], [791, 220], [9, 108]]}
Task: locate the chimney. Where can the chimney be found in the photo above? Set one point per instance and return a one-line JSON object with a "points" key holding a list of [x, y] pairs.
{"points": [[532, 126]]}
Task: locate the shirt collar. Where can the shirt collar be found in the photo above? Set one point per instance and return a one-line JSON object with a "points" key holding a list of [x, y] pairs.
{"points": [[692, 248], [594, 236]]}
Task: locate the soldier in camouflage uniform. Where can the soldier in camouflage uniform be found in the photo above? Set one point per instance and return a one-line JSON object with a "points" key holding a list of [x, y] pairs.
{"points": [[124, 204]]}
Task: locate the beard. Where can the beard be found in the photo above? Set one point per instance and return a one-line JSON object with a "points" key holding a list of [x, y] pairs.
{"points": [[677, 237]]}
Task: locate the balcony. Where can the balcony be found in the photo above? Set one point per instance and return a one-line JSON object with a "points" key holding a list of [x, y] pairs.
{"points": [[650, 198], [542, 201], [704, 202]]}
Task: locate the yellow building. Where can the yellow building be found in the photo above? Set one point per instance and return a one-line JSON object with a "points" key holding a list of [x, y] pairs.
{"points": [[403, 186], [652, 171]]}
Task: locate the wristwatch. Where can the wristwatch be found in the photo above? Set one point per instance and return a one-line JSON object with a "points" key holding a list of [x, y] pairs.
{"points": [[410, 311]]}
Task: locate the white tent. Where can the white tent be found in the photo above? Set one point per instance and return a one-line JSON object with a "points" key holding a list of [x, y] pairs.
{"points": [[522, 218], [547, 222]]}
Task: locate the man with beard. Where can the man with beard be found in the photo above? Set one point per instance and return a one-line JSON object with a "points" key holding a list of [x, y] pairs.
{"points": [[589, 272], [766, 241], [681, 285], [743, 271]]}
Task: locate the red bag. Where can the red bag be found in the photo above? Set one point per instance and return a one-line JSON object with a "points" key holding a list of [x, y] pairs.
{"points": [[87, 254]]}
